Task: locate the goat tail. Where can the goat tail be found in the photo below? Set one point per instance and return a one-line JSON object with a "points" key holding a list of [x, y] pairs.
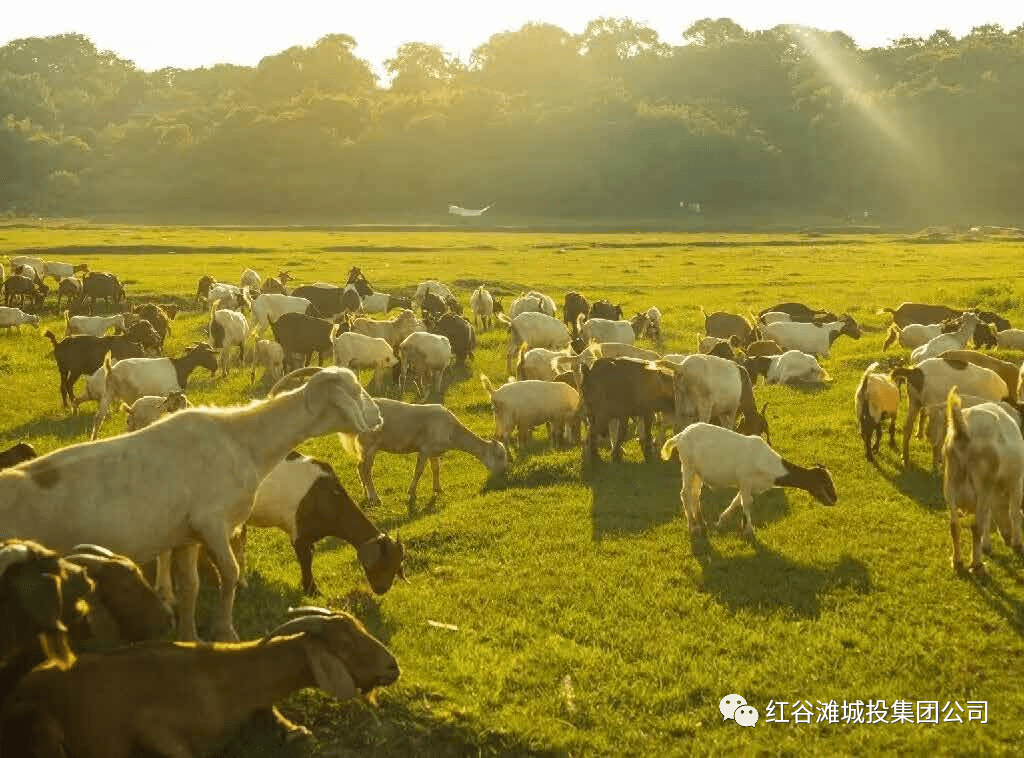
{"points": [[488, 387], [580, 318], [891, 336], [67, 317], [52, 337], [860, 397], [670, 445], [954, 413], [520, 356], [107, 363]]}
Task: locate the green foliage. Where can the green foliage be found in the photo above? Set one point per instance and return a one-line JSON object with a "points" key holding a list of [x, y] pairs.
{"points": [[610, 122]]}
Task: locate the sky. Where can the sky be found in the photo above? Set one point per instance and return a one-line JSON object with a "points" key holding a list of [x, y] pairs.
{"points": [[192, 33]]}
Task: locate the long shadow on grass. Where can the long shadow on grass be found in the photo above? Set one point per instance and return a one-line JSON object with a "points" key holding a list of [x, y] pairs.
{"points": [[918, 484], [1006, 605], [630, 497], [64, 427], [769, 581]]}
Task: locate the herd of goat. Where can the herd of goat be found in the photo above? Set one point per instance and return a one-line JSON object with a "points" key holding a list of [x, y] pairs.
{"points": [[73, 600]]}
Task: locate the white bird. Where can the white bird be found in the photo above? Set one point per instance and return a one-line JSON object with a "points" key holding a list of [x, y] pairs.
{"points": [[456, 210]]}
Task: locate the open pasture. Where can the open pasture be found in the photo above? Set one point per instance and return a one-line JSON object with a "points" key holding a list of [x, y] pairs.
{"points": [[588, 622]]}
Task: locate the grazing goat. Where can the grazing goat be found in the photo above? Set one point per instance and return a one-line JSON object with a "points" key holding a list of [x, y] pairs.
{"points": [[101, 286], [425, 357], [800, 313], [228, 329], [19, 287], [723, 458], [229, 296], [604, 309], [132, 378], [80, 355], [482, 305], [159, 317], [135, 700], [432, 286], [356, 351], [97, 326], [303, 498], [382, 302], [428, 430], [815, 339], [954, 341], [251, 280], [792, 367], [393, 330], [11, 318], [37, 265], [278, 285], [920, 313], [1007, 371], [876, 398], [929, 383], [329, 300], [534, 330], [270, 355], [520, 406], [617, 389], [935, 422], [574, 305], [269, 307], [149, 408], [58, 500], [983, 475], [543, 364], [912, 335], [433, 305], [603, 330], [203, 289], [761, 348], [1012, 339], [16, 454], [460, 334], [299, 334], [725, 325], [70, 287], [715, 390], [60, 271], [654, 321]]}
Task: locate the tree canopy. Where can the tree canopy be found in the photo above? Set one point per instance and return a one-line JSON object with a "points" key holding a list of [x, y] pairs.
{"points": [[613, 121]]}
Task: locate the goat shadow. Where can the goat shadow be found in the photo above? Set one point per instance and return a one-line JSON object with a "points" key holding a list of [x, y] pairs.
{"points": [[920, 485], [57, 423], [767, 581], [1006, 605]]}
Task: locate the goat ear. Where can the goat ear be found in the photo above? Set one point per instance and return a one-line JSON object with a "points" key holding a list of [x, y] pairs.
{"points": [[330, 673]]}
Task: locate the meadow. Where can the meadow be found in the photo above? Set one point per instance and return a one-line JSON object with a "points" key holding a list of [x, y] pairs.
{"points": [[587, 622]]}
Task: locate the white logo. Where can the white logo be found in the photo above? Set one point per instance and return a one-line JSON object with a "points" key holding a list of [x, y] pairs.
{"points": [[735, 707]]}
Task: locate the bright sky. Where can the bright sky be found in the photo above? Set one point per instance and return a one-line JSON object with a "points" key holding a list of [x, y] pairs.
{"points": [[191, 33]]}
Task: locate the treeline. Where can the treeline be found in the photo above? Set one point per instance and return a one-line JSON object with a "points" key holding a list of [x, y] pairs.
{"points": [[611, 122]]}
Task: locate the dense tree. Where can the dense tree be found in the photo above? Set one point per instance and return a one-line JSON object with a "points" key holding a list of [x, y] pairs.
{"points": [[612, 121]]}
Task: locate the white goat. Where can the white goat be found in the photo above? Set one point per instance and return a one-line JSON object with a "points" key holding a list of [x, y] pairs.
{"points": [[132, 378], [149, 408], [95, 326], [356, 351], [935, 423], [228, 329], [189, 478], [15, 317], [774, 317], [520, 406], [59, 270], [912, 335], [605, 330], [792, 367], [526, 304], [953, 341], [482, 305], [930, 381], [815, 339], [1012, 339], [722, 458], [95, 387], [654, 318], [393, 330], [270, 355], [425, 356], [714, 390], [251, 280], [547, 304], [534, 329], [229, 295], [984, 475], [270, 307], [876, 398], [543, 364], [443, 291], [430, 431]]}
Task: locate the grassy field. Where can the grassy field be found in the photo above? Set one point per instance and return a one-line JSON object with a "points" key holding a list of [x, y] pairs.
{"points": [[588, 623]]}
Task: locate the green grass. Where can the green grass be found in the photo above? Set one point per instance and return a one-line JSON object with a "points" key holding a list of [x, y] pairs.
{"points": [[588, 622]]}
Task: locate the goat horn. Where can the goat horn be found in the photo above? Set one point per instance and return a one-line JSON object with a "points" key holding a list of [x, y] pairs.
{"points": [[288, 379], [13, 554], [310, 624], [96, 550], [308, 610]]}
